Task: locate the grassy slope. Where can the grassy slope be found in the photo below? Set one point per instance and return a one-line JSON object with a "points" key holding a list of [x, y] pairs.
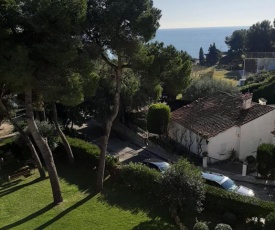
{"points": [[229, 76], [27, 205]]}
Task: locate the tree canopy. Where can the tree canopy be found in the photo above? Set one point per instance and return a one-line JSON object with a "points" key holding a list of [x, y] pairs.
{"points": [[204, 86], [259, 37], [213, 55]]}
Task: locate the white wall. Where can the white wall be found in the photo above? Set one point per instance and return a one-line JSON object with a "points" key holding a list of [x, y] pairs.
{"points": [[255, 133], [187, 138], [219, 147], [245, 139]]}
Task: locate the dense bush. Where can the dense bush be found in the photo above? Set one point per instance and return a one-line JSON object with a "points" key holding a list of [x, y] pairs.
{"points": [[265, 91], [158, 118], [48, 131], [140, 178], [223, 227], [86, 152], [143, 179], [205, 86], [229, 218], [270, 221], [220, 201], [266, 159], [200, 226], [183, 186], [17, 147]]}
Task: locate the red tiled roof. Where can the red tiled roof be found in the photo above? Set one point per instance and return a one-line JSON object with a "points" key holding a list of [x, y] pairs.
{"points": [[216, 113]]}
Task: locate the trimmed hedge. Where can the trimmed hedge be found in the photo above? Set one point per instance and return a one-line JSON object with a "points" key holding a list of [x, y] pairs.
{"points": [[85, 151], [270, 221], [266, 159], [158, 118], [143, 179], [221, 201]]}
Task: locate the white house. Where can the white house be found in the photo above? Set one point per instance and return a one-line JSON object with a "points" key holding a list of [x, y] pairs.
{"points": [[220, 123]]}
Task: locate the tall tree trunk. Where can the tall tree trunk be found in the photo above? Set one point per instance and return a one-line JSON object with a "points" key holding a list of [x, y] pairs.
{"points": [[44, 149], [26, 139], [62, 136], [107, 130]]}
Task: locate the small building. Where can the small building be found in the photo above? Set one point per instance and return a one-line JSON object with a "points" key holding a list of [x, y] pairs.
{"points": [[220, 124]]}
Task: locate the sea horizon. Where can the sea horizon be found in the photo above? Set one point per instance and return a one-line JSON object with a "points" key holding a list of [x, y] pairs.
{"points": [[203, 27], [191, 40]]}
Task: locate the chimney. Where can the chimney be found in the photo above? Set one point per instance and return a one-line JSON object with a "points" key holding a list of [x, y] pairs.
{"points": [[262, 101], [247, 99]]}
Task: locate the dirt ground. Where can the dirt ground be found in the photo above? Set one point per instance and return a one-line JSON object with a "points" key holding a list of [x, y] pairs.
{"points": [[5, 129]]}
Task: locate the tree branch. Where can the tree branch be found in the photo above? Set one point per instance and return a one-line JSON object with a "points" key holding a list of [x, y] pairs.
{"points": [[108, 61]]}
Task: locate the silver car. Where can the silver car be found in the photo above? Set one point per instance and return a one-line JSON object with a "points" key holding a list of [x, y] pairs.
{"points": [[157, 164], [224, 182]]}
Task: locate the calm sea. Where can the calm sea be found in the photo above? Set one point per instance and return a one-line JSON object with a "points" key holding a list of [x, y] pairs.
{"points": [[191, 39]]}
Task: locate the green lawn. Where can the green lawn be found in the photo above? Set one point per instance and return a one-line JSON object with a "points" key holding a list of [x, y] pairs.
{"points": [[26, 204]]}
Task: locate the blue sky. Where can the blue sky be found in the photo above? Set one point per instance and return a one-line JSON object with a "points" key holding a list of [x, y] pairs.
{"points": [[214, 13]]}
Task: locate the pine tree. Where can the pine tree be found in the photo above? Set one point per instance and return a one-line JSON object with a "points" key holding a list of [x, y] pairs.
{"points": [[201, 57]]}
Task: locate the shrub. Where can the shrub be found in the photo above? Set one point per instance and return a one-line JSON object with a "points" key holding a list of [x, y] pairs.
{"points": [[270, 221], [48, 131], [250, 159], [140, 178], [254, 224], [87, 152], [265, 159], [182, 185], [223, 227], [158, 118], [220, 201], [229, 218], [200, 226]]}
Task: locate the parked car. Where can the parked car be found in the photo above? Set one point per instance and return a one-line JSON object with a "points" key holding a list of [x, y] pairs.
{"points": [[157, 164], [224, 182]]}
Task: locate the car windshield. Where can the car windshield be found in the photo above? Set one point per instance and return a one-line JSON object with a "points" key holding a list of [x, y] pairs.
{"points": [[229, 185], [163, 167]]}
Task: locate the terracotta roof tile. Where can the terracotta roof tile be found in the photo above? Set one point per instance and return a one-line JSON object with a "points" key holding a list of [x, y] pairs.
{"points": [[217, 112]]}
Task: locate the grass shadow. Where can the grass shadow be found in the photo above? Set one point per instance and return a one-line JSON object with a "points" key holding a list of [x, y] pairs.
{"points": [[13, 187], [233, 75], [82, 175], [29, 217], [65, 212], [153, 225], [133, 202]]}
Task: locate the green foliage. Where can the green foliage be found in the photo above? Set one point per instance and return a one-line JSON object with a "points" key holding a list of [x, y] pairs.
{"points": [[48, 131], [223, 227], [158, 118], [205, 86], [183, 186], [236, 42], [170, 68], [270, 221], [229, 218], [199, 225], [265, 91], [86, 152], [213, 55], [141, 178], [221, 201], [266, 159], [259, 37], [17, 147], [114, 209], [201, 57]]}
